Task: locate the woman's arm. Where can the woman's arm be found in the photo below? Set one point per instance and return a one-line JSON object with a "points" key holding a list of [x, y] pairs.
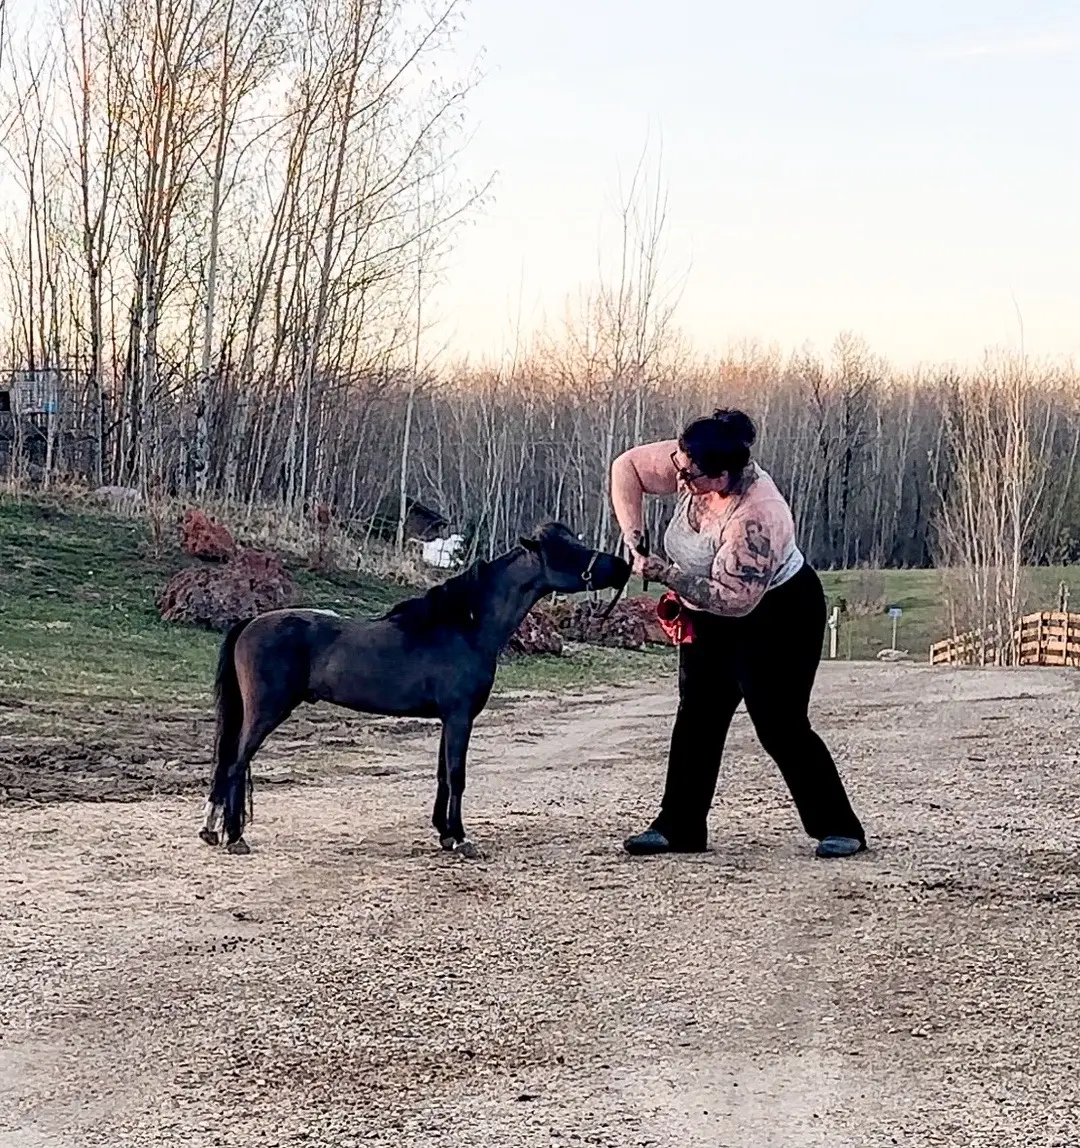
{"points": [[745, 563], [639, 471]]}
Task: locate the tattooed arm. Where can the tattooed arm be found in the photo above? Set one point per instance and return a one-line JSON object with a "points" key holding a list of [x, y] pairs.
{"points": [[745, 563]]}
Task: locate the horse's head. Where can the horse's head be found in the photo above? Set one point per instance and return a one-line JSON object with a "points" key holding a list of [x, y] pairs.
{"points": [[568, 565]]}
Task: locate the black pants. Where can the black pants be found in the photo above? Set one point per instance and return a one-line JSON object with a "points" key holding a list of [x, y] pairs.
{"points": [[768, 658]]}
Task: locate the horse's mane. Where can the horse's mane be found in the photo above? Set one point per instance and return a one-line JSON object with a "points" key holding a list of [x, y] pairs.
{"points": [[454, 604]]}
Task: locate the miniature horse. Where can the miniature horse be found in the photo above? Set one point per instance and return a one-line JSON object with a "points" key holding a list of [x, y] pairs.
{"points": [[433, 656]]}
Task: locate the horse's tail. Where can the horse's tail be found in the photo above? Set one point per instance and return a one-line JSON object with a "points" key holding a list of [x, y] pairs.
{"points": [[230, 710]]}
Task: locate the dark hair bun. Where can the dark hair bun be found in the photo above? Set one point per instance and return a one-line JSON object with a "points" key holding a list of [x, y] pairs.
{"points": [[720, 443], [738, 425]]}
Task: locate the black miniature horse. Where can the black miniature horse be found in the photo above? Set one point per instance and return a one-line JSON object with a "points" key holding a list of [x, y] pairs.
{"points": [[429, 657]]}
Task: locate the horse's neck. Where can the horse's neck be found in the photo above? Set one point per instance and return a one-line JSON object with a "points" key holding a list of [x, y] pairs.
{"points": [[512, 597]]}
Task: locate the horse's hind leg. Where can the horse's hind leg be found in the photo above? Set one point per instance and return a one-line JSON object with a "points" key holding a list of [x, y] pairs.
{"points": [[254, 733], [214, 810], [213, 813]]}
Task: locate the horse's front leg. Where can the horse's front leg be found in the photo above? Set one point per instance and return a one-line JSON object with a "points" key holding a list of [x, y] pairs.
{"points": [[457, 729], [442, 795]]}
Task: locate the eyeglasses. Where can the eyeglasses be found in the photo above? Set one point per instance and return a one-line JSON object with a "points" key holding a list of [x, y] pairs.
{"points": [[685, 476]]}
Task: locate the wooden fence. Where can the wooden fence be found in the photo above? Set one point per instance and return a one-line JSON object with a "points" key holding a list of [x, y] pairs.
{"points": [[1050, 638]]}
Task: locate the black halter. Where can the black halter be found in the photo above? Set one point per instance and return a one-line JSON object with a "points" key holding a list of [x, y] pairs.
{"points": [[587, 577], [587, 580]]}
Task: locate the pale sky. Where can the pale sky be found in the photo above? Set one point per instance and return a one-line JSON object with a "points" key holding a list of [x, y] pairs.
{"points": [[902, 170]]}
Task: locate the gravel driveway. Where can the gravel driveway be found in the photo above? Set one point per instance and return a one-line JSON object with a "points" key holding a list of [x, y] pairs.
{"points": [[348, 984]]}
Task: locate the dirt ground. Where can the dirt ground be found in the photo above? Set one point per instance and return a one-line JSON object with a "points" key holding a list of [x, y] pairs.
{"points": [[348, 984]]}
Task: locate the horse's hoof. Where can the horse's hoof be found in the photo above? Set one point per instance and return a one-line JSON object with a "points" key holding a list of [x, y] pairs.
{"points": [[239, 847], [209, 836], [448, 843], [469, 850]]}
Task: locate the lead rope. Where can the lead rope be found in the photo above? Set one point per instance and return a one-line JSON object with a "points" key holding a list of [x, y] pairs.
{"points": [[643, 549]]}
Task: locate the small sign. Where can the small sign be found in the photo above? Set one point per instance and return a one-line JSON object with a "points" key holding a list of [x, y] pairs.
{"points": [[895, 612]]}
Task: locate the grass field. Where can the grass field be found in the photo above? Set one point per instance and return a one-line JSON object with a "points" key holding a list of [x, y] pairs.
{"points": [[920, 595], [77, 615]]}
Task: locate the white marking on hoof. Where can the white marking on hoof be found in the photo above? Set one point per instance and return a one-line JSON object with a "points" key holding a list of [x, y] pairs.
{"points": [[448, 843], [213, 817], [238, 848]]}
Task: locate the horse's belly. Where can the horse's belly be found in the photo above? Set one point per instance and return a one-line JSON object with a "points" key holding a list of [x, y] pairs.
{"points": [[373, 688], [414, 707], [381, 676]]}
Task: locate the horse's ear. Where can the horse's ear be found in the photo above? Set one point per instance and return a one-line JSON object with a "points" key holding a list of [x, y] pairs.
{"points": [[532, 544]]}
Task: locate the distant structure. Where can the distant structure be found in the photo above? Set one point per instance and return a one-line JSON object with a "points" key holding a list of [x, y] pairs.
{"points": [[37, 425], [421, 522]]}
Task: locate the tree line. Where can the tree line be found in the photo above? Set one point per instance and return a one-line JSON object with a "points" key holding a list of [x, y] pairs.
{"points": [[226, 222]]}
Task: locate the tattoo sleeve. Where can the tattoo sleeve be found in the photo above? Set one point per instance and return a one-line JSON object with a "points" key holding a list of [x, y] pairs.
{"points": [[741, 573]]}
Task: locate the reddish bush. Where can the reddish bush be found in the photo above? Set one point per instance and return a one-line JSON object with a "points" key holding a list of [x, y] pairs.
{"points": [[218, 596], [644, 608], [537, 634], [202, 537], [584, 622]]}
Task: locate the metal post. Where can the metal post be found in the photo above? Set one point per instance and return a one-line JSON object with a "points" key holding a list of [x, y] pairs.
{"points": [[894, 612]]}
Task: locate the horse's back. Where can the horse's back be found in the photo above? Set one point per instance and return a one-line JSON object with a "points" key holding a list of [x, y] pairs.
{"points": [[375, 665], [381, 666], [281, 647]]}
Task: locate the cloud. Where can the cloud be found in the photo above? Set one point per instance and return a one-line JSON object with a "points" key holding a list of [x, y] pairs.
{"points": [[1019, 48]]}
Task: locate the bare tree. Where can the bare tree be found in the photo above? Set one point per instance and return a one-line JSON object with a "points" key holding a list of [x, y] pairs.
{"points": [[248, 53], [989, 497]]}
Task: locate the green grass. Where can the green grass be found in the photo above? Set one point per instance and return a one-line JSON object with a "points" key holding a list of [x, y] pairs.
{"points": [[921, 596], [78, 620], [919, 593], [77, 614]]}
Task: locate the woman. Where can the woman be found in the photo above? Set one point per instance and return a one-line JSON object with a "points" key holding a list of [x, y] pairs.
{"points": [[750, 627]]}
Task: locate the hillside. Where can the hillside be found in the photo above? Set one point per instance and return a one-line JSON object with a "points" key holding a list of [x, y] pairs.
{"points": [[77, 614], [920, 594]]}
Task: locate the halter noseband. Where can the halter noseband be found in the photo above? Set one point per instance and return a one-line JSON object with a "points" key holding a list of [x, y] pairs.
{"points": [[587, 582], [642, 549], [587, 573], [587, 576]]}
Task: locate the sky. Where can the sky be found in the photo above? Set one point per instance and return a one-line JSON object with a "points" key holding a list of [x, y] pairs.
{"points": [[908, 172]]}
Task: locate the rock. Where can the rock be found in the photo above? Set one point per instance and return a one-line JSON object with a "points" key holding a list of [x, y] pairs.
{"points": [[894, 656], [117, 497], [203, 537], [537, 634], [219, 596]]}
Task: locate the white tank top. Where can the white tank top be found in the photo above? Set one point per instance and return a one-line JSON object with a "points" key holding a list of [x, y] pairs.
{"points": [[695, 552]]}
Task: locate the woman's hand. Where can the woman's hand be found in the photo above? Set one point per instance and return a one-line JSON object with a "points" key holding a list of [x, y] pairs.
{"points": [[636, 545], [653, 569]]}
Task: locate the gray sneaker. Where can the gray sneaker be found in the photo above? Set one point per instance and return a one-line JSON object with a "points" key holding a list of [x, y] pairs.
{"points": [[652, 841], [840, 847]]}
